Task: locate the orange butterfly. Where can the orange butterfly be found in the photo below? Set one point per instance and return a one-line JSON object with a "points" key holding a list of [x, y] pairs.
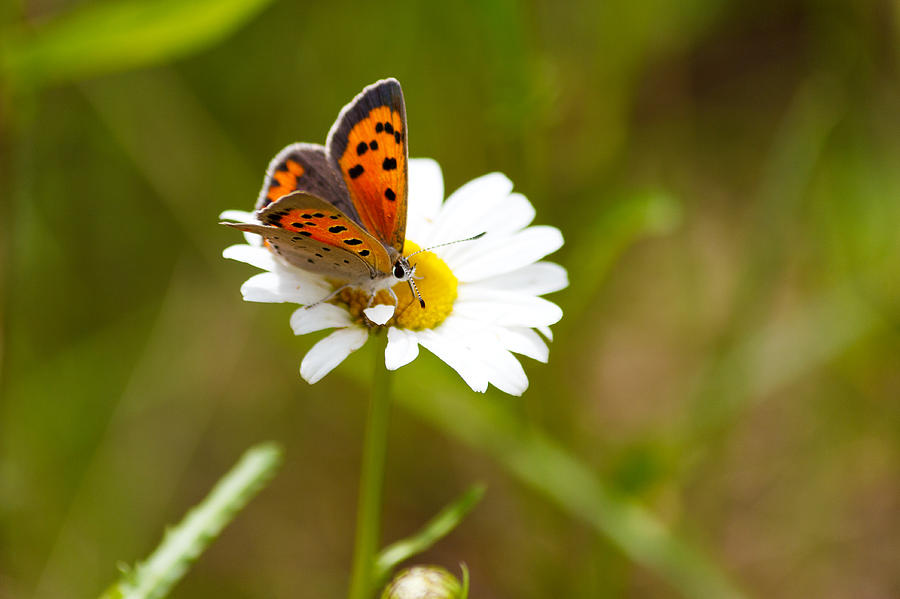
{"points": [[340, 209]]}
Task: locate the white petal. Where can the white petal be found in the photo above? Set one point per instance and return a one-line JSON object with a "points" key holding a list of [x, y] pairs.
{"points": [[502, 368], [240, 216], [515, 213], [505, 308], [522, 340], [379, 314], [504, 371], [426, 192], [535, 279], [503, 254], [273, 287], [259, 257], [546, 332], [318, 317], [447, 346], [402, 348], [331, 351], [499, 216], [461, 215]]}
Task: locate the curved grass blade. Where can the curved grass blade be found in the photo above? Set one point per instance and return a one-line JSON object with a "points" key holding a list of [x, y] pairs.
{"points": [[183, 544], [433, 531]]}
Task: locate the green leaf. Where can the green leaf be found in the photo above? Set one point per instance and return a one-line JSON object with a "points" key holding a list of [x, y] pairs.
{"points": [[183, 544], [433, 531], [115, 36]]}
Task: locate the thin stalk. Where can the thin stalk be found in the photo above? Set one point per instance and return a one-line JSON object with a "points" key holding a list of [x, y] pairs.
{"points": [[371, 480]]}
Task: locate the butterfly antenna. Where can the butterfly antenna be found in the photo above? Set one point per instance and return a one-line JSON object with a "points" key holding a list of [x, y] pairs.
{"points": [[428, 249], [415, 290], [411, 274]]}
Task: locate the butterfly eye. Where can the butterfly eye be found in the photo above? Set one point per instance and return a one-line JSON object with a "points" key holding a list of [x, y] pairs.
{"points": [[399, 272]]}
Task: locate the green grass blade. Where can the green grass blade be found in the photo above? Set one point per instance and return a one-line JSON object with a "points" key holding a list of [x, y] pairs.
{"points": [[154, 577], [563, 479], [433, 531], [113, 36]]}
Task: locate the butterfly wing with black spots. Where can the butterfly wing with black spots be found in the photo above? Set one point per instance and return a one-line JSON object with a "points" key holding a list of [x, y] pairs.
{"points": [[315, 235], [368, 147]]}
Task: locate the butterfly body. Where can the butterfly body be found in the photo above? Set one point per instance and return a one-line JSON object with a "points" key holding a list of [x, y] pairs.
{"points": [[340, 210]]}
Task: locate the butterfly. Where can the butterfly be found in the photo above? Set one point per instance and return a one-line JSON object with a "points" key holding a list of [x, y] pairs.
{"points": [[339, 210]]}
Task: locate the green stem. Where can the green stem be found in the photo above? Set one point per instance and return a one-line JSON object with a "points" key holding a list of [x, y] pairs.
{"points": [[368, 511]]}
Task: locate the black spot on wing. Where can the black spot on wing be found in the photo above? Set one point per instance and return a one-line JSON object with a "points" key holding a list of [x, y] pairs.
{"points": [[356, 171], [389, 164]]}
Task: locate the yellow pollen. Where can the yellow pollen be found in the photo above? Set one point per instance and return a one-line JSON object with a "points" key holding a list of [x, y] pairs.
{"points": [[436, 283]]}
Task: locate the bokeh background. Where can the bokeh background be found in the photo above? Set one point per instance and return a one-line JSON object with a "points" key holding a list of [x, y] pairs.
{"points": [[720, 411]]}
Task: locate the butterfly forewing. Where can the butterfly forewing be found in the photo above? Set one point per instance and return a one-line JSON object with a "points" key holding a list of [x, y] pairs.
{"points": [[310, 219], [304, 167], [302, 252], [368, 146]]}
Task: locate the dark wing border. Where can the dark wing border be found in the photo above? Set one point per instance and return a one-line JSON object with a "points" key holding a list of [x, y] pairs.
{"points": [[385, 92]]}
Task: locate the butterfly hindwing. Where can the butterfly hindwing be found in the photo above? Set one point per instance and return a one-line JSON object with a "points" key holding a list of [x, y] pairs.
{"points": [[368, 147], [313, 223], [304, 167]]}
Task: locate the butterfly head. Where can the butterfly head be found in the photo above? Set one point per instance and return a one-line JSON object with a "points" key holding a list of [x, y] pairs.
{"points": [[404, 271]]}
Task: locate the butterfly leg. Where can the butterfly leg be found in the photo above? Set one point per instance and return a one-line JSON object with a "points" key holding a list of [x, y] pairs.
{"points": [[389, 290], [331, 295]]}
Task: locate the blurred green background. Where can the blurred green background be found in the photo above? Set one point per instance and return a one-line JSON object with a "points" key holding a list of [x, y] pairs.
{"points": [[720, 411]]}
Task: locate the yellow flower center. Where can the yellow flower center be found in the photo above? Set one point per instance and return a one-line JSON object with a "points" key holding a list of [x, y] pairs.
{"points": [[436, 284]]}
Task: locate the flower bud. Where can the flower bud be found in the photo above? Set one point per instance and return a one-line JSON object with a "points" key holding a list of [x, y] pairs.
{"points": [[424, 582]]}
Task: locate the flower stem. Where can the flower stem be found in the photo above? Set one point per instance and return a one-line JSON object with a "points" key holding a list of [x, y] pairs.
{"points": [[368, 511]]}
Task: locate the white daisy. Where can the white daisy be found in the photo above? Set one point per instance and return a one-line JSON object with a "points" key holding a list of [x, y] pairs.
{"points": [[482, 296]]}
